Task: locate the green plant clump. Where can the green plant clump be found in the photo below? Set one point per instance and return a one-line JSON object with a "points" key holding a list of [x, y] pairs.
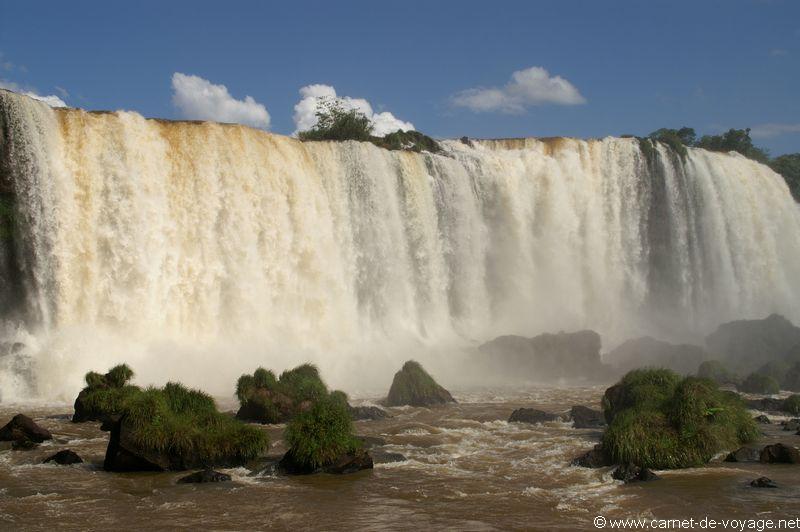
{"points": [[321, 434], [104, 395], [759, 383], [412, 385], [185, 422], [661, 421], [407, 140], [335, 122]]}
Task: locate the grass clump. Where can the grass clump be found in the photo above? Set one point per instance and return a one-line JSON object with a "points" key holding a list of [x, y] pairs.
{"points": [[660, 420], [412, 385], [104, 395], [792, 404], [186, 423], [407, 140], [759, 383], [322, 433], [716, 371]]}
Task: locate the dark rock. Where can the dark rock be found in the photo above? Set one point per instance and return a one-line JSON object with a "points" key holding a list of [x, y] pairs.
{"points": [[65, 457], [267, 406], [593, 459], [763, 482], [413, 386], [632, 473], [749, 344], [359, 413], [647, 351], [368, 442], [779, 454], [21, 427], [545, 357], [791, 424], [109, 422], [764, 420], [531, 415], [765, 404], [204, 476], [386, 457], [23, 445], [347, 463], [585, 418], [744, 454]]}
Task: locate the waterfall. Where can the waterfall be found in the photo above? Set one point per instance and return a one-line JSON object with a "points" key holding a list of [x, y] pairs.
{"points": [[200, 250]]}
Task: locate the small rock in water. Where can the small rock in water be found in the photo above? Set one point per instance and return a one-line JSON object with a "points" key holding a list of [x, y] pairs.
{"points": [[779, 454], [531, 415], [594, 458], [202, 477], [744, 454], [763, 482], [21, 427], [23, 445], [65, 457], [386, 457], [792, 424], [632, 473], [371, 413], [586, 418], [762, 419], [346, 463]]}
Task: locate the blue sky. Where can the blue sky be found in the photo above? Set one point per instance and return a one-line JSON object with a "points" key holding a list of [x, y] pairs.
{"points": [[633, 66]]}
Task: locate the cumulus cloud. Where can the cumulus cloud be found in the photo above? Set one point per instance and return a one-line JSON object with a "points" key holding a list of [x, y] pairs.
{"points": [[529, 87], [199, 99], [51, 100], [305, 111], [766, 131]]}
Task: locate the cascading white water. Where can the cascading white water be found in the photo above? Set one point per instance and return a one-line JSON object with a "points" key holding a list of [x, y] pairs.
{"points": [[199, 250]]}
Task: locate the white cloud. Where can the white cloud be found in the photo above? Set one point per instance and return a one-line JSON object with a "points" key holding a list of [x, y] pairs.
{"points": [[51, 100], [199, 99], [529, 87], [305, 111], [766, 131]]}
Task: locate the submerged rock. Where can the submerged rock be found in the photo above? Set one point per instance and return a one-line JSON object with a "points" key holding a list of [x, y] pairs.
{"points": [[764, 420], [351, 462], [791, 424], [531, 415], [65, 457], [763, 482], [23, 445], [779, 454], [372, 413], [21, 428], [585, 418], [413, 386], [204, 476], [594, 458], [744, 454], [385, 457], [632, 473]]}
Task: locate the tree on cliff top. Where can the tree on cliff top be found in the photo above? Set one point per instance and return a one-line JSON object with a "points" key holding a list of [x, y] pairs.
{"points": [[334, 122]]}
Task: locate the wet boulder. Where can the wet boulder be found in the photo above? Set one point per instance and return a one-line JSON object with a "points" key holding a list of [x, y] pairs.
{"points": [[531, 415], [413, 386], [762, 419], [763, 482], [594, 458], [765, 404], [65, 457], [586, 418], [379, 456], [779, 453], [350, 462], [22, 428], [744, 454], [205, 476], [632, 473], [370, 413], [791, 424]]}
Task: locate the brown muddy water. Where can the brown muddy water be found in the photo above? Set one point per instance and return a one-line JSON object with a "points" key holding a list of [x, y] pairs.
{"points": [[466, 469]]}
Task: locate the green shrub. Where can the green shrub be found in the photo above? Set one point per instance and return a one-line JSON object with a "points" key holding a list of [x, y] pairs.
{"points": [[407, 140], [661, 421], [334, 122], [318, 436], [104, 395], [758, 383], [266, 399], [181, 421], [119, 375], [716, 371], [302, 383], [412, 385], [792, 404]]}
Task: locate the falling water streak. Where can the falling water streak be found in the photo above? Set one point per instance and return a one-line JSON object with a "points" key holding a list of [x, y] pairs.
{"points": [[188, 233]]}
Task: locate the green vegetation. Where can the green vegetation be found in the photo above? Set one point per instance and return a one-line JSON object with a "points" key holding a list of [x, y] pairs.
{"points": [[792, 404], [789, 167], [716, 371], [104, 395], [759, 383], [660, 420], [737, 140], [179, 421], [319, 435], [677, 139], [335, 122], [413, 386]]}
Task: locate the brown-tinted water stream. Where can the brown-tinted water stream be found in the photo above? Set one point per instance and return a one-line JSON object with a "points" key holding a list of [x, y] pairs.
{"points": [[466, 469]]}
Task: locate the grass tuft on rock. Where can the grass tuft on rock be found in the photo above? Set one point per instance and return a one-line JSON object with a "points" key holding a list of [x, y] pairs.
{"points": [[104, 395], [759, 383], [412, 385], [322, 433], [659, 420], [185, 422]]}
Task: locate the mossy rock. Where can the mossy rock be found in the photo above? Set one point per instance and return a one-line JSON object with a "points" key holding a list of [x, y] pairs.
{"points": [[413, 386], [758, 383], [174, 429], [660, 421], [407, 140], [104, 395], [265, 399]]}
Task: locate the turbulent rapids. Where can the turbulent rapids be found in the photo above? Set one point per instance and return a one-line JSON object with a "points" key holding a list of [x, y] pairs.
{"points": [[208, 248]]}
